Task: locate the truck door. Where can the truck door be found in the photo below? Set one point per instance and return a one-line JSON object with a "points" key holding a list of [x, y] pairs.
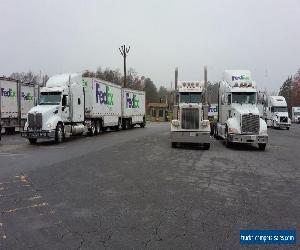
{"points": [[65, 108]]}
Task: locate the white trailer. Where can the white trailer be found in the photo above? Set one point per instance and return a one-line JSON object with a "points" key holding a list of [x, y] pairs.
{"points": [[213, 111], [276, 112], [70, 105], [239, 119], [102, 104], [296, 114], [9, 104], [16, 100], [133, 108], [27, 101]]}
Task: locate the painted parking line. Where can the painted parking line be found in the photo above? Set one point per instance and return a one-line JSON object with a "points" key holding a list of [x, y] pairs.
{"points": [[10, 154]]}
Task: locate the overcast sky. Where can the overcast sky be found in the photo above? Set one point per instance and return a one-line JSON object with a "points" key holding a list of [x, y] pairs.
{"points": [[59, 36]]}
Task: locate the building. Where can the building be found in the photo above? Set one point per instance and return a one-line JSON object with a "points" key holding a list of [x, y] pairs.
{"points": [[158, 112]]}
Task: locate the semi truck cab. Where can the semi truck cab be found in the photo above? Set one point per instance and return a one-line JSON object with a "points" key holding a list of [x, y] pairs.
{"points": [[239, 118], [296, 114], [277, 113], [190, 125], [60, 111]]}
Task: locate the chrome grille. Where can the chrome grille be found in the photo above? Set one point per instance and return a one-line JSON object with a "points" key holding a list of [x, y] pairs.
{"points": [[190, 118], [35, 121], [250, 124]]}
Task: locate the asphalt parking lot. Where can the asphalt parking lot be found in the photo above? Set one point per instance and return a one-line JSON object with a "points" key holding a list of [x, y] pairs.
{"points": [[131, 190]]}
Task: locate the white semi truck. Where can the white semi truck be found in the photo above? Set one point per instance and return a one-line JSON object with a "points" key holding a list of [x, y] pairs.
{"points": [[239, 120], [16, 99], [296, 114], [71, 104], [191, 124], [276, 112]]}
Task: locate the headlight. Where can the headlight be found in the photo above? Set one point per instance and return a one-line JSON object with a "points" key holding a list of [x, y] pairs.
{"points": [[175, 123], [232, 131]]}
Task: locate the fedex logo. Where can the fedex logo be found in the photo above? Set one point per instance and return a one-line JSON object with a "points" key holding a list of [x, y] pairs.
{"points": [[213, 109], [27, 97], [8, 93], [104, 96], [132, 102], [241, 77]]}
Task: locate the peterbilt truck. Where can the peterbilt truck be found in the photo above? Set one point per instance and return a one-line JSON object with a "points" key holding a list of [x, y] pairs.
{"points": [[239, 119], [296, 114], [191, 124], [276, 112], [72, 104]]}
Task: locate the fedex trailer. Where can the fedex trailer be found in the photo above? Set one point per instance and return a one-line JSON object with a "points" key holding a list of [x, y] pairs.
{"points": [[133, 108], [16, 100]]}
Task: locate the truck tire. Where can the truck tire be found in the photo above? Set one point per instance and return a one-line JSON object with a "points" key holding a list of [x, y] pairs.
{"points": [[174, 144], [288, 128], [32, 141], [227, 142], [129, 124], [98, 127], [262, 146], [143, 124], [206, 146], [59, 133], [124, 124], [117, 128], [92, 129]]}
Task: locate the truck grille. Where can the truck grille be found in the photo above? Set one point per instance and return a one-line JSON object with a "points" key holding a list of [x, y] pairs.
{"points": [[190, 118], [35, 121], [250, 124], [283, 119]]}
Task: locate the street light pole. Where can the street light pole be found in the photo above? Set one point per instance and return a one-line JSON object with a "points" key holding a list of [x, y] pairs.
{"points": [[124, 51]]}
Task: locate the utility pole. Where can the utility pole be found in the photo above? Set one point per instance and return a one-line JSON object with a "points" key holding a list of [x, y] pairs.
{"points": [[124, 51]]}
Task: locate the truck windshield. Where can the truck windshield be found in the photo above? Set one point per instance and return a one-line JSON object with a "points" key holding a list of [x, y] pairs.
{"points": [[279, 109], [244, 98], [190, 97], [296, 113], [50, 98]]}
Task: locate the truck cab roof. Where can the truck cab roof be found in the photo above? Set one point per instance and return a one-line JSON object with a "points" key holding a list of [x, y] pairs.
{"points": [[277, 101]]}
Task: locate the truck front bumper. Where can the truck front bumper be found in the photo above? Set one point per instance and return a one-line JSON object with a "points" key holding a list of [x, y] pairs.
{"points": [[190, 136], [238, 138], [282, 125], [38, 134]]}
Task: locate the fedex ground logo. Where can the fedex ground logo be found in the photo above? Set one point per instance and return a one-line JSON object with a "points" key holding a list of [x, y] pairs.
{"points": [[241, 77], [104, 96], [8, 92], [27, 96], [132, 102]]}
